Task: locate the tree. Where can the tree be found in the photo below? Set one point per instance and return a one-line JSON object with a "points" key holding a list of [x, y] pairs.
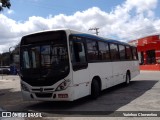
{"points": [[4, 4]]}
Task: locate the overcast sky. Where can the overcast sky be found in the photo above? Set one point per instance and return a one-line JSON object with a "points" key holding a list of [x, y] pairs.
{"points": [[117, 19]]}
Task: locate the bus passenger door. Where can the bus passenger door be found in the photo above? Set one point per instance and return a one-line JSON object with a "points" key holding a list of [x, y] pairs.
{"points": [[79, 65]]}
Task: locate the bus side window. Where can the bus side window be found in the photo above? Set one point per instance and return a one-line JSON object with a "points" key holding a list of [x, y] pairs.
{"points": [[134, 52], [103, 51], [92, 49], [129, 53], [114, 52], [78, 54], [122, 52]]}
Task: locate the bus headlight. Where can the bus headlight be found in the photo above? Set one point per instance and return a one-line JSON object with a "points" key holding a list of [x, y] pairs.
{"points": [[24, 87], [63, 85]]}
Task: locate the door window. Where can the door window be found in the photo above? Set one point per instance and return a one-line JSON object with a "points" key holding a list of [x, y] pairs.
{"points": [[78, 54]]}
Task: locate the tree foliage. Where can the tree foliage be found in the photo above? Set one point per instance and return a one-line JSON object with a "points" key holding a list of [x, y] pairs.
{"points": [[5, 4]]}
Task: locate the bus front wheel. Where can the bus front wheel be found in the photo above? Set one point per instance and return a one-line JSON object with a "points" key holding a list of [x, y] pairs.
{"points": [[95, 89]]}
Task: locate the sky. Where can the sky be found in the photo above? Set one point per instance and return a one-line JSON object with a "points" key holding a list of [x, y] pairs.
{"points": [[122, 20]]}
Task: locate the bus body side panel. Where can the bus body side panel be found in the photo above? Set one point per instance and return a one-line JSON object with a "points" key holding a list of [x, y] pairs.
{"points": [[132, 66], [81, 83], [102, 70], [135, 69], [118, 72], [125, 66]]}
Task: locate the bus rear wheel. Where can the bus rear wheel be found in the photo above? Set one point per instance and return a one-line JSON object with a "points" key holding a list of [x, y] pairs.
{"points": [[95, 89], [127, 82]]}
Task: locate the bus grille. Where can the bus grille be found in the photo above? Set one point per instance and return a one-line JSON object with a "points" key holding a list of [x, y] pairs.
{"points": [[43, 95], [45, 89]]}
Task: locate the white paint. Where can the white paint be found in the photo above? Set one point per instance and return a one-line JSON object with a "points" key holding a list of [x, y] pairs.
{"points": [[110, 73]]}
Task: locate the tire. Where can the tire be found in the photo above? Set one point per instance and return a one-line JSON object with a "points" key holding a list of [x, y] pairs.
{"points": [[95, 89], [127, 82]]}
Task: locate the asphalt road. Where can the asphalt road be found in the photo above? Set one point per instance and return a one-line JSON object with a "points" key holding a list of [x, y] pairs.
{"points": [[141, 95]]}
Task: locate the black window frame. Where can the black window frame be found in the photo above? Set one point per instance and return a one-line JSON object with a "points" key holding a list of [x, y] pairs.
{"points": [[97, 50], [106, 45], [133, 53], [116, 53], [78, 65], [122, 59], [130, 58]]}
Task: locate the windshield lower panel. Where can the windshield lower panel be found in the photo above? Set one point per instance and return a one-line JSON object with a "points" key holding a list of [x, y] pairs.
{"points": [[45, 63]]}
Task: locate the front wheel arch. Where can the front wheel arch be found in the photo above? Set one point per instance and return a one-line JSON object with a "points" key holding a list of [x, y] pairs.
{"points": [[95, 87]]}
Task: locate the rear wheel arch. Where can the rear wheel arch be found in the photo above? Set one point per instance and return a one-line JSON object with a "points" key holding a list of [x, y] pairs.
{"points": [[127, 78], [129, 73]]}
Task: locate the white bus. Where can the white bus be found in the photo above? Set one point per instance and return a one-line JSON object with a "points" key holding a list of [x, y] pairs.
{"points": [[65, 65]]}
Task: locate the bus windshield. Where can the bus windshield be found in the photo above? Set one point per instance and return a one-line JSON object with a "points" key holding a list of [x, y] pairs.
{"points": [[46, 59], [45, 56]]}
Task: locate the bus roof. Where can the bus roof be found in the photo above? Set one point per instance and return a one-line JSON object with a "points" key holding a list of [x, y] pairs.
{"points": [[87, 35], [101, 39]]}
